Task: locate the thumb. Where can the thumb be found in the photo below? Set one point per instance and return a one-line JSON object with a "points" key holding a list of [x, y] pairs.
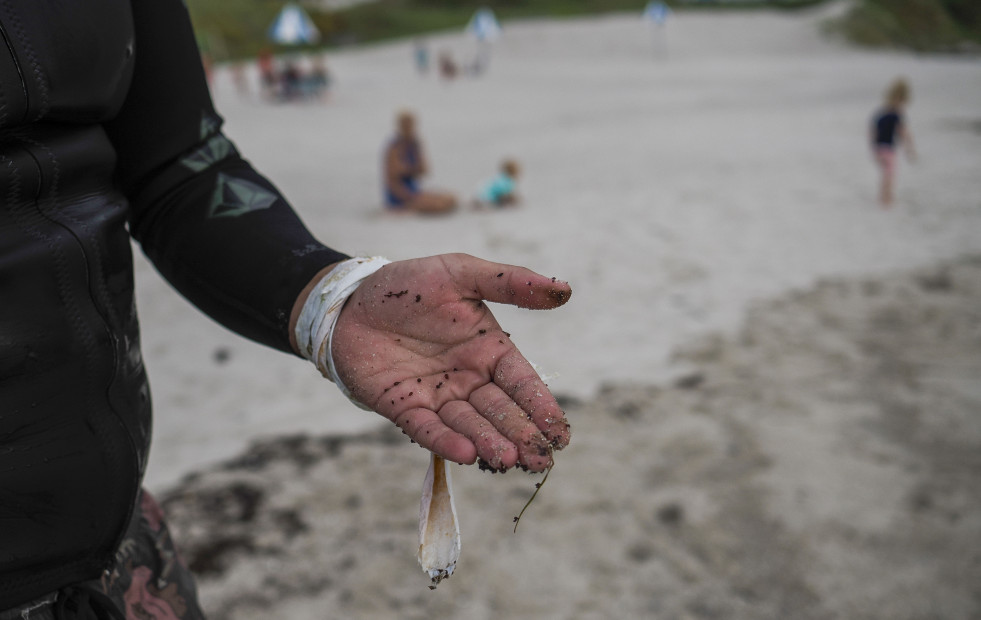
{"points": [[507, 284]]}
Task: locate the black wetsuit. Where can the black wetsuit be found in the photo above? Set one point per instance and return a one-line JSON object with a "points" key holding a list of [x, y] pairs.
{"points": [[107, 130]]}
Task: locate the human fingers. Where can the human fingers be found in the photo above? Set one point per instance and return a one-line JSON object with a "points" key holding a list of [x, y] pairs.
{"points": [[428, 430], [492, 447], [446, 392], [519, 380], [506, 284], [533, 451]]}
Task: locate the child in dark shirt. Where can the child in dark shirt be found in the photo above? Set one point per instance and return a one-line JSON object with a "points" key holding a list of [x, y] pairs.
{"points": [[889, 130]]}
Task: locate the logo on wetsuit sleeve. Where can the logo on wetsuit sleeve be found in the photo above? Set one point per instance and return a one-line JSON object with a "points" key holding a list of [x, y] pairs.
{"points": [[233, 196]]}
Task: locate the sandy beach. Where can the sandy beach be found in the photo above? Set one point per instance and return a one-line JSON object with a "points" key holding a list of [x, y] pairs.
{"points": [[770, 378], [671, 191], [821, 462]]}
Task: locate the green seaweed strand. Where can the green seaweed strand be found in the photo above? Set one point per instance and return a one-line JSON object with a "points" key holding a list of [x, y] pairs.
{"points": [[538, 487]]}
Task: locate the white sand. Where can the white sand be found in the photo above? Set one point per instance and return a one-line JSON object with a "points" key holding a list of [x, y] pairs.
{"points": [[821, 463], [672, 190]]}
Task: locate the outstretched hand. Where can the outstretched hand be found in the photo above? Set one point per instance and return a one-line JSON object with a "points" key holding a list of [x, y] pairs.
{"points": [[416, 343]]}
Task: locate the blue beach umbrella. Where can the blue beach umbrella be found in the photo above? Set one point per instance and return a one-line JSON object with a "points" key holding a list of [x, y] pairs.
{"points": [[293, 26]]}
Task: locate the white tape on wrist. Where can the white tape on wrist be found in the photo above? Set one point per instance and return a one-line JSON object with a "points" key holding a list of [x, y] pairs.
{"points": [[314, 329]]}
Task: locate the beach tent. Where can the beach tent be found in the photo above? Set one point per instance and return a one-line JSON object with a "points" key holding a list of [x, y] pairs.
{"points": [[293, 26], [483, 25], [656, 12]]}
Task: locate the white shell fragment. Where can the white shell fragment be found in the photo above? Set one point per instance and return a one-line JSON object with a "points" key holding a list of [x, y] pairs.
{"points": [[439, 530]]}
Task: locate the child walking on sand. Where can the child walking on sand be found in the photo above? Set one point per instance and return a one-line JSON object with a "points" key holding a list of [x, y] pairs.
{"points": [[889, 129], [501, 190]]}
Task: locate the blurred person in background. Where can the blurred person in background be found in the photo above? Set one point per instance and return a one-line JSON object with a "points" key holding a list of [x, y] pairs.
{"points": [[502, 190], [317, 83], [447, 66], [404, 166], [268, 80], [888, 132], [420, 54]]}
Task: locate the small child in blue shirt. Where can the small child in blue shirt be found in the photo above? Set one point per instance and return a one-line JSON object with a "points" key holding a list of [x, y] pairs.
{"points": [[500, 191]]}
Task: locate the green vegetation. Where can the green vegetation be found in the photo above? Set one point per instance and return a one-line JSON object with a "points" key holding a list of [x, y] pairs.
{"points": [[922, 25], [230, 29]]}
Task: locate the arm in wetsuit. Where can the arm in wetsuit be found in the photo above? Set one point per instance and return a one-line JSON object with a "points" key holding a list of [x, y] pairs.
{"points": [[219, 232], [226, 239]]}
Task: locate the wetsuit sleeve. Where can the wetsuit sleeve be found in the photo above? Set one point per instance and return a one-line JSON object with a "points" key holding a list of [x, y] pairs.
{"points": [[217, 230]]}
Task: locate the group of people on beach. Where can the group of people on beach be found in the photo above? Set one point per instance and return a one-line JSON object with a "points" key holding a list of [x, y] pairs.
{"points": [[290, 81], [448, 69], [405, 163]]}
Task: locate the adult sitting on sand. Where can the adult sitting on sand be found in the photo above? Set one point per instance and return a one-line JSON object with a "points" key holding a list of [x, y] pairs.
{"points": [[405, 164], [888, 128]]}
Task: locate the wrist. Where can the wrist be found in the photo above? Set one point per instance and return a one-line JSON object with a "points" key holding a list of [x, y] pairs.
{"points": [[313, 329], [300, 300]]}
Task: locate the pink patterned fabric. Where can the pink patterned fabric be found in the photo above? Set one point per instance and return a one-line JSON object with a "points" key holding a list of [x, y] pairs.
{"points": [[148, 580]]}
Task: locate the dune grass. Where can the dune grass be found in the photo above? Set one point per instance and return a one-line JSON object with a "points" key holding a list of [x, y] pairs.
{"points": [[921, 25], [234, 29]]}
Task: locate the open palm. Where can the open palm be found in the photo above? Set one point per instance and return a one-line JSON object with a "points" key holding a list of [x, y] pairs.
{"points": [[416, 343]]}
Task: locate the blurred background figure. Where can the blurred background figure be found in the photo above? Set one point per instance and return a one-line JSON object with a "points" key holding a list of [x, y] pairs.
{"points": [[484, 27], [420, 53], [290, 81], [501, 191], [889, 131], [447, 66], [317, 83], [404, 166], [267, 72]]}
